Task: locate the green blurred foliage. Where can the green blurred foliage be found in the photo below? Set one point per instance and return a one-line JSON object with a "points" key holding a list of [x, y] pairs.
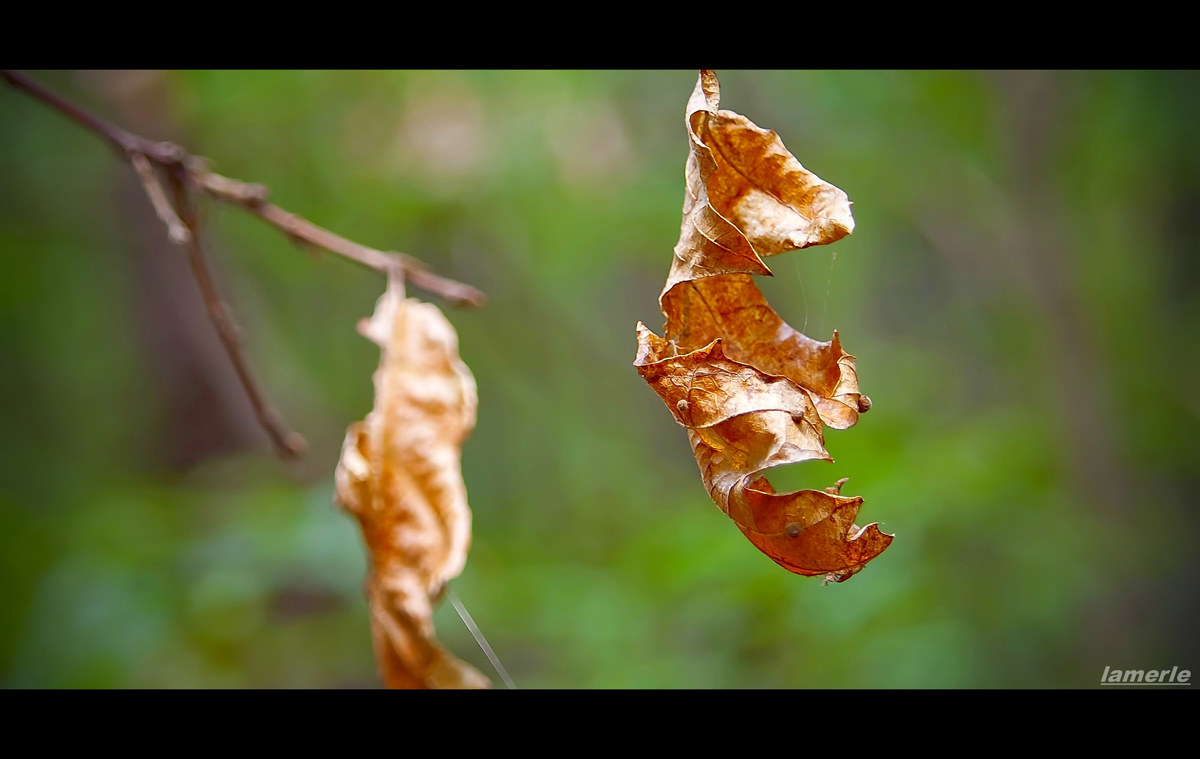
{"points": [[1020, 291]]}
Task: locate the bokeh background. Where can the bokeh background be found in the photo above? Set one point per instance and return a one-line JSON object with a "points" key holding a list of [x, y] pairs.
{"points": [[1020, 291]]}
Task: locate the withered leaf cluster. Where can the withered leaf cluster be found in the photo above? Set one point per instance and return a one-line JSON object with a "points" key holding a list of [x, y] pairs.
{"points": [[400, 475], [753, 392]]}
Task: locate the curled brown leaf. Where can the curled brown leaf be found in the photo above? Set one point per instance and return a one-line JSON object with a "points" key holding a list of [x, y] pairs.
{"points": [[400, 476], [753, 392]]}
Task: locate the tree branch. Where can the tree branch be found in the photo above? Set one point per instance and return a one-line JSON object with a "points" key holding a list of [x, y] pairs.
{"points": [[185, 171], [251, 197]]}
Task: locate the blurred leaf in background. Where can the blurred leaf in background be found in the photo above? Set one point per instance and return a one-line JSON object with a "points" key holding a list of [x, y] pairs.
{"points": [[1020, 291]]}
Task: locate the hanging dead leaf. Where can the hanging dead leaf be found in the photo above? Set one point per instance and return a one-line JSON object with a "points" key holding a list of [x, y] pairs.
{"points": [[753, 392], [400, 475]]}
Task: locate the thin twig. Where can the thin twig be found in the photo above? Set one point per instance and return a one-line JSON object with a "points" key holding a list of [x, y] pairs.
{"points": [[253, 198], [289, 444], [186, 171]]}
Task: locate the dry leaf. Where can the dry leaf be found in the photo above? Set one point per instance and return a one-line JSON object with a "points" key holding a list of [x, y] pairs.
{"points": [[400, 475], [753, 392]]}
